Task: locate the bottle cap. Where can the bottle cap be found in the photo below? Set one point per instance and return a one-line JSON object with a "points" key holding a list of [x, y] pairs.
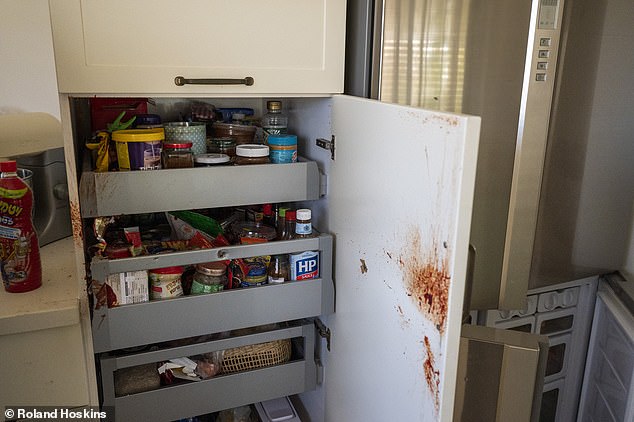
{"points": [[267, 209], [8, 166], [303, 214], [274, 105], [282, 212], [290, 215]]}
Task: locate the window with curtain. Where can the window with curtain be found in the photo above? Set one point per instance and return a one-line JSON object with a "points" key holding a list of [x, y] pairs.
{"points": [[424, 53]]}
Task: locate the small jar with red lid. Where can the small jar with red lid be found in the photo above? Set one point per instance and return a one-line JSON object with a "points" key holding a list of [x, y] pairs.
{"points": [[176, 155], [165, 283]]}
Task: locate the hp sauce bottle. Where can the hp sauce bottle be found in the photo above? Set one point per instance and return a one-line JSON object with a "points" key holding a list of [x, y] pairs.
{"points": [[19, 250]]}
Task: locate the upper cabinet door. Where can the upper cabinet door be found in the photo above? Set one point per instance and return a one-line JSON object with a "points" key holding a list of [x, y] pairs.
{"points": [[140, 47]]}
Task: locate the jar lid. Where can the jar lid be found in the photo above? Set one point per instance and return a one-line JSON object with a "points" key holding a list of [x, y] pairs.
{"points": [[212, 158], [252, 150], [147, 119], [282, 139], [303, 214], [168, 270], [138, 135], [215, 269], [177, 145]]}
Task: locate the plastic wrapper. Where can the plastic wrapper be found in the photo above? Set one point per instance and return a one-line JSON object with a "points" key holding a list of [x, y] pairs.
{"points": [[205, 367]]}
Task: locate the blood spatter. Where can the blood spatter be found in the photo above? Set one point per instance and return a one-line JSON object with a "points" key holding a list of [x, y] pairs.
{"points": [[426, 280], [432, 375]]}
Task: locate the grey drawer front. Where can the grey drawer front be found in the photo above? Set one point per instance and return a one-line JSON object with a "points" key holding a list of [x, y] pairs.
{"points": [[221, 392], [157, 321]]}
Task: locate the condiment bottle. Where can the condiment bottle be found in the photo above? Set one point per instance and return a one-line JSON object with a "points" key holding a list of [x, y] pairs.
{"points": [[289, 225], [177, 155], [303, 224], [304, 265], [267, 215], [274, 121], [19, 248], [279, 270]]}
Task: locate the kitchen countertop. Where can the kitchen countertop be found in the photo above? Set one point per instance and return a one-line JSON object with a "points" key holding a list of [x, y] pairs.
{"points": [[54, 304]]}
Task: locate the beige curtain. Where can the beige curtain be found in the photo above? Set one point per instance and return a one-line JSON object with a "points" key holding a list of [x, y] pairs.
{"points": [[423, 53]]}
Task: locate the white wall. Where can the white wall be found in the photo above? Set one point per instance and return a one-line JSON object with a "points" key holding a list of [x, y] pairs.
{"points": [[27, 70]]}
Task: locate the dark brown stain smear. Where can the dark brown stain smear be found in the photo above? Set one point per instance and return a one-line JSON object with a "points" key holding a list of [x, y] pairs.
{"points": [[426, 280], [75, 219], [364, 268], [432, 376]]}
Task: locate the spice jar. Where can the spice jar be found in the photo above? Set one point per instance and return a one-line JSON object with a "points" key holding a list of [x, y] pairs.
{"points": [[252, 154], [209, 278], [211, 160], [177, 155]]}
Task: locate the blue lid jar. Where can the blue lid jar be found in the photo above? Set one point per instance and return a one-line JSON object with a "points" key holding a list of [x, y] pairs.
{"points": [[282, 148]]}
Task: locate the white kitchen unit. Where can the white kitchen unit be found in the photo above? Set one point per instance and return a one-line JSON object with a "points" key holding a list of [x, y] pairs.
{"points": [[41, 338], [608, 383], [391, 197], [286, 47]]}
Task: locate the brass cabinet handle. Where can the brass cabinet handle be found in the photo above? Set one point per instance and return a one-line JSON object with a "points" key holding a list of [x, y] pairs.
{"points": [[181, 80]]}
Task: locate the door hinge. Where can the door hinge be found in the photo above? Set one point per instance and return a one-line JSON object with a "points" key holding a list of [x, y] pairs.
{"points": [[323, 332], [326, 144]]}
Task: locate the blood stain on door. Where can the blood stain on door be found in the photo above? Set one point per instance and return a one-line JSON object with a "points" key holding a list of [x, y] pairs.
{"points": [[426, 279]]}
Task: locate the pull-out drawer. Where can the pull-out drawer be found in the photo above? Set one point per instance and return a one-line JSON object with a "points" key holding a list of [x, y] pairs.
{"points": [[134, 192], [157, 321], [191, 398]]}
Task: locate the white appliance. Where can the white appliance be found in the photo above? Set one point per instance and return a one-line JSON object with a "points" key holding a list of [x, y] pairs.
{"points": [[562, 312], [608, 385]]}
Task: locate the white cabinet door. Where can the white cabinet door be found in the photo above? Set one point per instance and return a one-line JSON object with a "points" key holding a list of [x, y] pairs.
{"points": [[400, 200], [139, 47]]}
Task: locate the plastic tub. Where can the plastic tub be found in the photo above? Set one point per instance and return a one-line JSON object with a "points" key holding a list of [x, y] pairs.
{"points": [[139, 149], [282, 148]]}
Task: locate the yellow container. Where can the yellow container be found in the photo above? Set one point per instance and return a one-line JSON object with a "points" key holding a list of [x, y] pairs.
{"points": [[139, 149]]}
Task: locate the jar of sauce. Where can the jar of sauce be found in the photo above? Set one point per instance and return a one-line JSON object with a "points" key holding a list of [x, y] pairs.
{"points": [[252, 154], [177, 155], [210, 277], [165, 283]]}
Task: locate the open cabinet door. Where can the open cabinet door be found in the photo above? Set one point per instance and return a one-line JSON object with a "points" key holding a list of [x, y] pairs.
{"points": [[400, 199]]}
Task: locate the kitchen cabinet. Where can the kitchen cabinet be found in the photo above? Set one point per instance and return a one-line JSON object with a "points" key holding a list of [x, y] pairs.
{"points": [[285, 46], [391, 199]]}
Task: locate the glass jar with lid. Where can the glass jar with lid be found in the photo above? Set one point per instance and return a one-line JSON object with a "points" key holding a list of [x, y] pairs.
{"points": [[252, 154], [210, 277], [177, 155], [224, 145]]}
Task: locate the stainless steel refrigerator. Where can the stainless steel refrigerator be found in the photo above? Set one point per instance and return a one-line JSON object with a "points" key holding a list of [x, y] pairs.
{"points": [[554, 194], [545, 208]]}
